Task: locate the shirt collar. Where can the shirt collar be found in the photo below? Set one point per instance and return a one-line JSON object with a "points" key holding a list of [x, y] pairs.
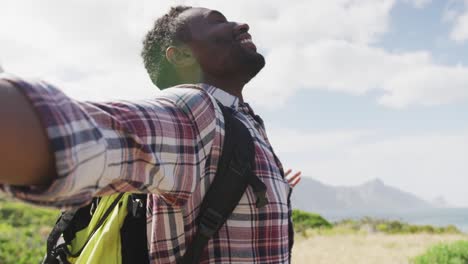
{"points": [[223, 97]]}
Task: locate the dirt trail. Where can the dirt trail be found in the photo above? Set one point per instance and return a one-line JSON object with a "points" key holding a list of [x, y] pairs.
{"points": [[364, 249]]}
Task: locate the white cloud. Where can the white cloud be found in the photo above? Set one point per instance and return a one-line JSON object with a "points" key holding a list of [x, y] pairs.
{"points": [[460, 30], [404, 78], [308, 21], [457, 13], [331, 49], [428, 164], [92, 48], [418, 3], [90, 40]]}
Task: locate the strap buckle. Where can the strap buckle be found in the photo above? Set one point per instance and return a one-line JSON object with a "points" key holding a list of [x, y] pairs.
{"points": [[210, 222], [136, 206], [260, 190], [58, 255], [262, 199]]}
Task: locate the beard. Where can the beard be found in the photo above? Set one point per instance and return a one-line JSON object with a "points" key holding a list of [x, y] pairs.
{"points": [[253, 65], [230, 60], [239, 63], [247, 62]]}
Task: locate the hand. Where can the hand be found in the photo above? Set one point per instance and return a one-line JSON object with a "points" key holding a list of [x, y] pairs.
{"points": [[294, 178]]}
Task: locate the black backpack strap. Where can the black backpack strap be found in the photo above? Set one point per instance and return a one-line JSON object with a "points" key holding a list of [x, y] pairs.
{"points": [[234, 174], [59, 253], [55, 255], [133, 236]]}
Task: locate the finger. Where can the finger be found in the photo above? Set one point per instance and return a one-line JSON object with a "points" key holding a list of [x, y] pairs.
{"points": [[286, 174], [295, 182], [295, 176]]}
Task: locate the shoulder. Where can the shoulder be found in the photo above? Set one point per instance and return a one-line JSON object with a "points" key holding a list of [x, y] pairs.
{"points": [[204, 112], [192, 99], [187, 94]]}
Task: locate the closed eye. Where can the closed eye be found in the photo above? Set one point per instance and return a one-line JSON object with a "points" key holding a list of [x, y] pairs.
{"points": [[216, 17]]}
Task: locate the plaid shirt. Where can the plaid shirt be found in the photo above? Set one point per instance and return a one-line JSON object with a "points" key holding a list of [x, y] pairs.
{"points": [[168, 146]]}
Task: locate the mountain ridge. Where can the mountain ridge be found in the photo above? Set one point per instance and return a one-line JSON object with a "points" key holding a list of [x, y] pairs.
{"points": [[371, 196]]}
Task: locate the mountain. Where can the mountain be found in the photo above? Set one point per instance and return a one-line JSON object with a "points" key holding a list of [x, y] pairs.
{"points": [[440, 202], [373, 196]]}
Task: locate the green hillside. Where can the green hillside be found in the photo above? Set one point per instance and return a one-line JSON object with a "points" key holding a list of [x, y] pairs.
{"points": [[23, 232]]}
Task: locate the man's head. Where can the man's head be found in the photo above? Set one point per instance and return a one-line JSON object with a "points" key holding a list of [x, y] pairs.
{"points": [[189, 45]]}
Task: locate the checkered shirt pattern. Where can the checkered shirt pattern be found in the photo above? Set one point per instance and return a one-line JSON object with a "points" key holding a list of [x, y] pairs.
{"points": [[168, 146]]}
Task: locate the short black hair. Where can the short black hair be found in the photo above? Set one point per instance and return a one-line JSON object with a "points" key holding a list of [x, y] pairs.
{"points": [[167, 31]]}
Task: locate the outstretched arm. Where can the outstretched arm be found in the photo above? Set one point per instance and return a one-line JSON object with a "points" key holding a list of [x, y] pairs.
{"points": [[92, 149], [25, 155]]}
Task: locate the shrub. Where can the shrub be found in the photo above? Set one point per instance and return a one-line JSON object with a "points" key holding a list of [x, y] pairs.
{"points": [[23, 232], [303, 221], [382, 228], [394, 227], [454, 253], [21, 245], [22, 215], [451, 229]]}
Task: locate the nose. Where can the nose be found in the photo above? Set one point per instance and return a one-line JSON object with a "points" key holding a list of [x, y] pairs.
{"points": [[241, 28]]}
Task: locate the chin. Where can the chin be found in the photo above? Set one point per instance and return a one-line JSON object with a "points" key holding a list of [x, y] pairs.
{"points": [[241, 62], [253, 65]]}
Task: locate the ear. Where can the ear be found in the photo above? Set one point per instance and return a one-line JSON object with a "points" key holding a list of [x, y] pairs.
{"points": [[180, 56]]}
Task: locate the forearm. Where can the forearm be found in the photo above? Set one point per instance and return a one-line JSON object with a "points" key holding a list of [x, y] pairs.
{"points": [[25, 155], [100, 148]]}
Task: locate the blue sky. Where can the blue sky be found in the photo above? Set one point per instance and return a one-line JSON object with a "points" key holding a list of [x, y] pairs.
{"points": [[410, 30], [353, 89]]}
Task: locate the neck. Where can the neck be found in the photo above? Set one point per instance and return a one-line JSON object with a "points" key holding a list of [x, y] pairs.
{"points": [[230, 86]]}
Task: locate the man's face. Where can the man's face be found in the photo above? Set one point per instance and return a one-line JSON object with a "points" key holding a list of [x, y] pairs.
{"points": [[222, 48]]}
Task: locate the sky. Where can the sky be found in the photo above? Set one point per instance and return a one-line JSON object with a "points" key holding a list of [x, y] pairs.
{"points": [[353, 90]]}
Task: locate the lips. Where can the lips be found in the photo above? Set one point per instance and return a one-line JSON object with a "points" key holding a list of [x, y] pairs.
{"points": [[245, 41]]}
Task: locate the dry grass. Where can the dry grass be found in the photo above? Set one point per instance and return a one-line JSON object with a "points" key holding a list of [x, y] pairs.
{"points": [[364, 248]]}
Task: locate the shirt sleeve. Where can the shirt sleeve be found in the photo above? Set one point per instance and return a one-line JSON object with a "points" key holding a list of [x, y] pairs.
{"points": [[157, 146]]}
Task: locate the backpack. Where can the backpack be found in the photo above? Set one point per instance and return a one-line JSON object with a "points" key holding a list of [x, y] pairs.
{"points": [[98, 232]]}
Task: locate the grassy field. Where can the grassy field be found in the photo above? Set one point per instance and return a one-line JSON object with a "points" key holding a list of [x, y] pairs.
{"points": [[359, 248], [23, 232]]}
